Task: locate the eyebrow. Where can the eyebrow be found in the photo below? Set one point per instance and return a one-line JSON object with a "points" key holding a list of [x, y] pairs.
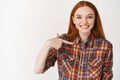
{"points": [[80, 15]]}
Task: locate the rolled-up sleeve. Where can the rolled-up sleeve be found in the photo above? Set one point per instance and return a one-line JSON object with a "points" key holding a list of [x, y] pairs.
{"points": [[51, 58], [108, 63]]}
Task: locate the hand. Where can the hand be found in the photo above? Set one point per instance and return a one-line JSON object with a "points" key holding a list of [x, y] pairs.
{"points": [[57, 42]]}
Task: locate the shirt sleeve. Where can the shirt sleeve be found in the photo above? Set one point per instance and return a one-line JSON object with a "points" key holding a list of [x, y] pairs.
{"points": [[107, 73], [51, 58]]}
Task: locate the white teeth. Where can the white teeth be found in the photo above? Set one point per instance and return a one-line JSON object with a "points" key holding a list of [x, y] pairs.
{"points": [[84, 26]]}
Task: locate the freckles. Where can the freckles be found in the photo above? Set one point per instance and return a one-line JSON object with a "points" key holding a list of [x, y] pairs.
{"points": [[91, 22]]}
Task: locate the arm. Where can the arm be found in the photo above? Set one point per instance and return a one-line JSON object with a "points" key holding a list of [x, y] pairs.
{"points": [[47, 55], [107, 73], [41, 59]]}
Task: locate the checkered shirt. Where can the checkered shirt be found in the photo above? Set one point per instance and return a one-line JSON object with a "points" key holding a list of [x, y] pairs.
{"points": [[92, 60]]}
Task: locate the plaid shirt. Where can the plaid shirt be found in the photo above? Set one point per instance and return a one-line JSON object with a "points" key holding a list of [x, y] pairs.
{"points": [[92, 60]]}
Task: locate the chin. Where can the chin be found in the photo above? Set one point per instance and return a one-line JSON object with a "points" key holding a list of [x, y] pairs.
{"points": [[85, 31]]}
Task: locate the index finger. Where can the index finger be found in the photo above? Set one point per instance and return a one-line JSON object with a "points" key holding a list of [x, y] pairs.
{"points": [[67, 42]]}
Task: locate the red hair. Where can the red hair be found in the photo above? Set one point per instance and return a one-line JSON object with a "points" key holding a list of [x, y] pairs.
{"points": [[97, 29]]}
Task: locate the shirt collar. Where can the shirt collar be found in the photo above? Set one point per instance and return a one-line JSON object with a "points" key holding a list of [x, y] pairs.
{"points": [[89, 41]]}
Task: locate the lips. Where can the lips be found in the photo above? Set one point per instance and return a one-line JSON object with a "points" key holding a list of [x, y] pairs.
{"points": [[84, 27]]}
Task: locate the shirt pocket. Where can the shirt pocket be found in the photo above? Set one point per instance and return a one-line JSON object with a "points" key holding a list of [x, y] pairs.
{"points": [[67, 63], [95, 68]]}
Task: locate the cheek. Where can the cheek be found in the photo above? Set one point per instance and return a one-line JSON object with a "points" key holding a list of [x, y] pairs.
{"points": [[91, 22], [76, 22]]}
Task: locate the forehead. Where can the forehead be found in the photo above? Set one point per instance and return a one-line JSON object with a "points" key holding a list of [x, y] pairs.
{"points": [[85, 10]]}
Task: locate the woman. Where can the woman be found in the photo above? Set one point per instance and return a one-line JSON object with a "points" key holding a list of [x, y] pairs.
{"points": [[83, 53]]}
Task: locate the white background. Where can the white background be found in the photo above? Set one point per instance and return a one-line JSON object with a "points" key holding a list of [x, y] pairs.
{"points": [[26, 24]]}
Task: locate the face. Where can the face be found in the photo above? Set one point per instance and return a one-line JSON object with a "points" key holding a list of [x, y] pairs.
{"points": [[84, 19]]}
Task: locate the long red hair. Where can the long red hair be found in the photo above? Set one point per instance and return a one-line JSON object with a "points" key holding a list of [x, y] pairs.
{"points": [[97, 29]]}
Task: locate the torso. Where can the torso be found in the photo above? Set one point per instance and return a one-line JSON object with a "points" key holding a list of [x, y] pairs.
{"points": [[82, 61]]}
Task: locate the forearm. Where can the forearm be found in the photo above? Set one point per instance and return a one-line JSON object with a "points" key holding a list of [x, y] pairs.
{"points": [[41, 60], [51, 45]]}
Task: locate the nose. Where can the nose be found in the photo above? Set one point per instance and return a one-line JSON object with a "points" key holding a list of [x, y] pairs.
{"points": [[84, 21]]}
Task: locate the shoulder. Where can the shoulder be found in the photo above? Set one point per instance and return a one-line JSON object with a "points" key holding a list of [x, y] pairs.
{"points": [[104, 43], [102, 40]]}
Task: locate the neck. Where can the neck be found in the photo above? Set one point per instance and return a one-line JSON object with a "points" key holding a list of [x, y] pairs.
{"points": [[84, 36]]}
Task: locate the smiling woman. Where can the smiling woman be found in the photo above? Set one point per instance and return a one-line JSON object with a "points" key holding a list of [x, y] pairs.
{"points": [[83, 53], [26, 24], [84, 19]]}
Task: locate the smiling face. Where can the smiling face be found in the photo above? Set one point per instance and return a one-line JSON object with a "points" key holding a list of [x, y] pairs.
{"points": [[83, 19]]}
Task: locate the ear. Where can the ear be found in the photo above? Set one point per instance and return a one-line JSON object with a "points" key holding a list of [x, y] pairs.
{"points": [[73, 19]]}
